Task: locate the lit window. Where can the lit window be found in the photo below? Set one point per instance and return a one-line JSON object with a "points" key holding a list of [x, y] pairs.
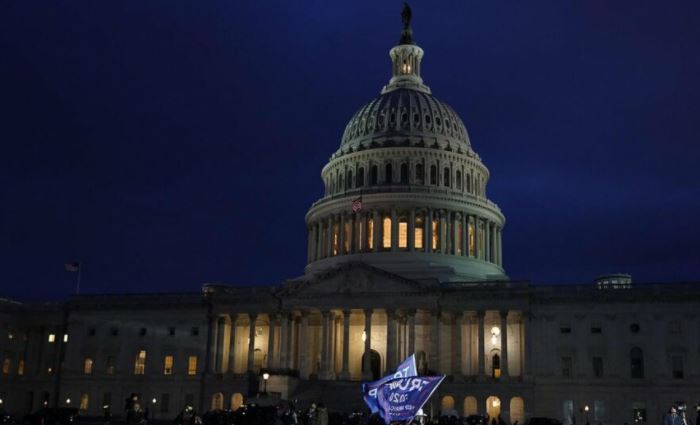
{"points": [[10, 335], [386, 230], [403, 233], [168, 365], [109, 366], [435, 237], [65, 337], [84, 401], [192, 365], [87, 366], [370, 233], [140, 363], [418, 233], [472, 245], [6, 364], [566, 367], [20, 367], [346, 236], [460, 237], [336, 240], [52, 338]]}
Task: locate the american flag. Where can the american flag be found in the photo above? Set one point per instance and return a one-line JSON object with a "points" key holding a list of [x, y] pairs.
{"points": [[357, 205], [72, 266]]}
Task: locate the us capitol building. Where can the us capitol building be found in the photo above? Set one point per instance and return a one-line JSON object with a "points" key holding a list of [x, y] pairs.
{"points": [[404, 256]]}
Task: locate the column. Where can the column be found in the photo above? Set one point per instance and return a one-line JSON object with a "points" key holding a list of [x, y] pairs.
{"points": [[411, 229], [457, 348], [329, 238], [411, 332], [345, 373], [394, 230], [435, 342], [442, 238], [353, 235], [500, 248], [480, 315], [319, 240], [219, 352], [455, 234], [391, 361], [341, 235], [526, 344], [326, 346], [427, 230], [487, 237], [477, 247], [504, 343], [232, 345], [378, 227], [465, 234], [284, 341], [304, 346], [367, 365], [271, 342], [251, 342]]}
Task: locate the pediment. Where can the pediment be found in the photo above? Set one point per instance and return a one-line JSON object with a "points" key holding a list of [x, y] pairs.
{"points": [[353, 279]]}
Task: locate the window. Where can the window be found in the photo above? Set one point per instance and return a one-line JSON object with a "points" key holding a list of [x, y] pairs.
{"points": [[348, 180], [360, 178], [373, 175], [107, 399], [433, 175], [677, 367], [674, 328], [469, 183], [386, 233], [420, 174], [87, 366], [598, 367], [459, 229], [140, 363], [418, 233], [65, 337], [114, 331], [346, 236], [142, 332], [639, 412], [435, 237], [194, 331], [568, 411], [472, 244], [637, 363], [20, 367], [164, 403], [403, 232], [168, 365], [84, 401], [458, 179], [565, 329], [566, 367], [6, 365], [91, 332], [634, 328], [109, 366], [388, 174], [404, 173], [599, 410], [446, 178], [336, 239], [370, 233], [171, 331], [596, 329], [52, 338], [192, 365]]}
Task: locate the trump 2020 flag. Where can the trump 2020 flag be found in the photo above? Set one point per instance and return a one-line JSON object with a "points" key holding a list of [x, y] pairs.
{"points": [[369, 389], [400, 399]]}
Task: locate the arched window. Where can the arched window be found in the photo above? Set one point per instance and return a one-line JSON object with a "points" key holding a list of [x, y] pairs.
{"points": [[370, 233], [447, 406], [348, 180], [469, 405], [388, 174], [236, 401], [493, 406], [421, 363], [346, 236], [469, 183], [404, 173], [340, 183], [435, 237], [386, 233], [446, 177], [418, 233], [637, 363], [360, 177], [420, 173], [458, 178], [403, 233], [373, 175], [84, 402], [433, 175], [87, 365], [471, 239], [517, 410], [217, 401], [140, 363], [496, 366]]}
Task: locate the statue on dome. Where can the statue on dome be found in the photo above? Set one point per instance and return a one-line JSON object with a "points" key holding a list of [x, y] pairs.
{"points": [[406, 16]]}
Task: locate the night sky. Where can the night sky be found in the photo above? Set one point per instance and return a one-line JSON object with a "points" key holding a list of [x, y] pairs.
{"points": [[166, 144]]}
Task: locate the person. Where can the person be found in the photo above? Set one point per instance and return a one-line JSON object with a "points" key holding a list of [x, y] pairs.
{"points": [[134, 416], [312, 415], [322, 414], [672, 418], [289, 416]]}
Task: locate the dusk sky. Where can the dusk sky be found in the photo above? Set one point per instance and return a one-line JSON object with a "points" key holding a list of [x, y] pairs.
{"points": [[166, 144]]}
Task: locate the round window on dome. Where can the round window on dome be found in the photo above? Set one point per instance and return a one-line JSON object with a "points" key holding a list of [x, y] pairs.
{"points": [[404, 118], [437, 121], [427, 119], [416, 118], [447, 123]]}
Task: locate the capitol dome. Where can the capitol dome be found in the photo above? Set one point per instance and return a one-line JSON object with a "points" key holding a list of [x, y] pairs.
{"points": [[405, 192]]}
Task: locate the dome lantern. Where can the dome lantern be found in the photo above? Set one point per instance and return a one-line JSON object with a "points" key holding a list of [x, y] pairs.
{"points": [[406, 60]]}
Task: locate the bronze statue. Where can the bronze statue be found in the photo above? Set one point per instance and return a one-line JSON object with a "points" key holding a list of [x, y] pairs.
{"points": [[406, 16]]}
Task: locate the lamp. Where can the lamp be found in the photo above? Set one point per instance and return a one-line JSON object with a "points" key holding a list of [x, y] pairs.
{"points": [[154, 401], [364, 336], [68, 401], [495, 331], [265, 376]]}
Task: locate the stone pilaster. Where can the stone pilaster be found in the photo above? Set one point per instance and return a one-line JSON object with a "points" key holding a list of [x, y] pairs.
{"points": [[251, 341], [367, 364], [504, 343], [345, 373]]}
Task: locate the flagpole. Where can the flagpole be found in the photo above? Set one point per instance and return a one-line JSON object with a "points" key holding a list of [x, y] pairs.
{"points": [[80, 270]]}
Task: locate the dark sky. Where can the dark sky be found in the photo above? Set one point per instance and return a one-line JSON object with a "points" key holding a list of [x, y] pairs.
{"points": [[167, 144]]}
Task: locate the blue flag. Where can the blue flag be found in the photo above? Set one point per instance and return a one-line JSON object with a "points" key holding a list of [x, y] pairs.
{"points": [[369, 389], [400, 399]]}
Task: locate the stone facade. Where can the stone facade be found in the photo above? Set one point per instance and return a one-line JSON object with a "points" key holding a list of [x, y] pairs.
{"points": [[404, 256]]}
